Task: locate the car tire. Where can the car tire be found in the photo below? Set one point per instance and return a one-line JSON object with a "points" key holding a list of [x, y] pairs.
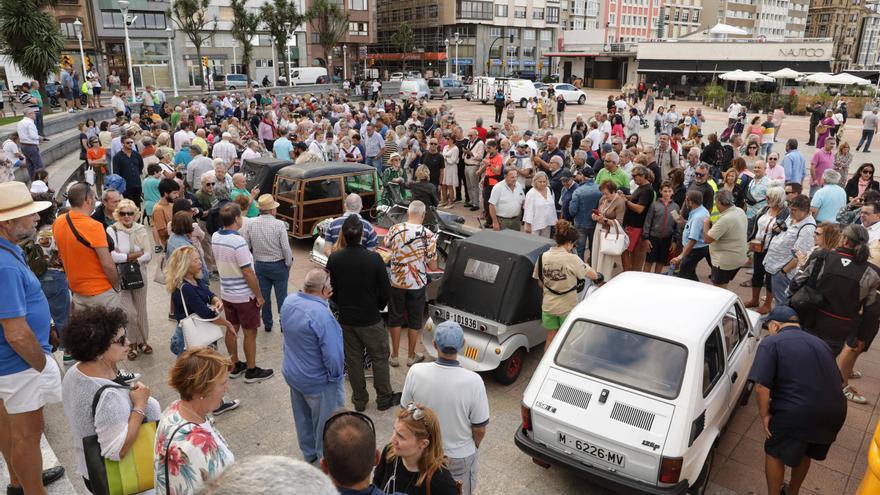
{"points": [[446, 96], [702, 482], [231, 88], [509, 369], [582, 100]]}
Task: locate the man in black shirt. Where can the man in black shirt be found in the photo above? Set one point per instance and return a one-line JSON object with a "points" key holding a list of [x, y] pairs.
{"points": [[434, 161], [129, 165], [798, 389], [637, 205], [360, 291]]}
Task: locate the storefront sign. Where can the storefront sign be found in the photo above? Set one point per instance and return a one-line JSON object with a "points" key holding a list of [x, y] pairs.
{"points": [[463, 61], [802, 52]]}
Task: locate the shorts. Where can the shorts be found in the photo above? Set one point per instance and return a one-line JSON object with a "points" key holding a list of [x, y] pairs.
{"points": [[406, 308], [659, 252], [869, 323], [792, 450], [68, 93], [30, 390], [635, 237], [721, 277], [552, 322], [246, 314]]}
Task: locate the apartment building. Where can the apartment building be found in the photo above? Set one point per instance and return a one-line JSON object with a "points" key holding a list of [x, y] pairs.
{"points": [[771, 19], [680, 18], [853, 26], [479, 30], [67, 12], [580, 14], [868, 54], [627, 21], [360, 34]]}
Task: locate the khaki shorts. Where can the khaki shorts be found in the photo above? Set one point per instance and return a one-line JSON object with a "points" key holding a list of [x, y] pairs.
{"points": [[30, 390]]}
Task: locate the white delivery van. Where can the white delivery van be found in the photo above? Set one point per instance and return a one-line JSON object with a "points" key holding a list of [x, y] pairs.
{"points": [[307, 75], [638, 400], [415, 88], [518, 90]]}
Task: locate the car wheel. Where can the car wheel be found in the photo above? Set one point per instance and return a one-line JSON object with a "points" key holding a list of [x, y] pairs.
{"points": [[509, 369], [582, 99], [702, 482], [483, 102], [231, 88], [446, 96]]}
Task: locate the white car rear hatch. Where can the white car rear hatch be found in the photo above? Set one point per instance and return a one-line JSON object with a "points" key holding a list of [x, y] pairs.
{"points": [[607, 399]]}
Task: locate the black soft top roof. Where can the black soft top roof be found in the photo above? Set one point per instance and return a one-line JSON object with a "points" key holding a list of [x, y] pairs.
{"points": [[510, 241], [312, 170]]}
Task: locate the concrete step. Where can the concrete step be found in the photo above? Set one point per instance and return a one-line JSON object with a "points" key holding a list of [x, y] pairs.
{"points": [[60, 487]]}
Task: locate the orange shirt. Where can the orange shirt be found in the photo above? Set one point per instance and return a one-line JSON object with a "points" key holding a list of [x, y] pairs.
{"points": [[85, 275], [162, 215]]}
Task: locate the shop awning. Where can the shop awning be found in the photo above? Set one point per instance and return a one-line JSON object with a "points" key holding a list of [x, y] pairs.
{"points": [[721, 66]]}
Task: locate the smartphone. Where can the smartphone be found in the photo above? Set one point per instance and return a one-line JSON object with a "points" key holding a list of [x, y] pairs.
{"points": [[675, 216], [595, 211]]}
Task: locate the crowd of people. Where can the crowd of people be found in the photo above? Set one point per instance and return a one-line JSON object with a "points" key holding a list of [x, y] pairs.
{"points": [[165, 181]]}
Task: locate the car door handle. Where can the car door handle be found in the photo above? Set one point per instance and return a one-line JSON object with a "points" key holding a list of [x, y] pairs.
{"points": [[733, 377]]}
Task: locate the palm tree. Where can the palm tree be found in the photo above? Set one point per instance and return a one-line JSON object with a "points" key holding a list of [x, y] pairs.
{"points": [[403, 38], [278, 15], [191, 18], [330, 21], [31, 38], [244, 28]]}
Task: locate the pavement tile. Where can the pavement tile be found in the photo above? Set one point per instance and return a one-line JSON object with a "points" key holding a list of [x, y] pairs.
{"points": [[740, 478], [750, 453], [840, 459], [822, 479], [849, 438], [853, 485]]}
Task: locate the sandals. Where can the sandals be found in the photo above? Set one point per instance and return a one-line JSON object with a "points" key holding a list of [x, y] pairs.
{"points": [[132, 352], [855, 374], [145, 348], [853, 395]]}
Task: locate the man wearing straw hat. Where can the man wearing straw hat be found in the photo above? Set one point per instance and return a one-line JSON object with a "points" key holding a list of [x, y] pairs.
{"points": [[29, 376], [267, 238]]}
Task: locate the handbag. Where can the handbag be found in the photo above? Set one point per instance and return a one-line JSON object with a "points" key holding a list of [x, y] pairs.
{"points": [[130, 276], [808, 298], [821, 128], [196, 331], [614, 244], [131, 474]]}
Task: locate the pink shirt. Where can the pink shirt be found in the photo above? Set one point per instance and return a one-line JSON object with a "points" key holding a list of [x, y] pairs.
{"points": [[822, 161], [776, 173]]}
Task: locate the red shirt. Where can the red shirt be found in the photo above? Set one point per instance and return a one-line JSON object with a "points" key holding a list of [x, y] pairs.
{"points": [[494, 162], [481, 132]]}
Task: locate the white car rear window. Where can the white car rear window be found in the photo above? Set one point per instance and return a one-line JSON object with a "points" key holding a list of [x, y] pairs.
{"points": [[631, 359]]}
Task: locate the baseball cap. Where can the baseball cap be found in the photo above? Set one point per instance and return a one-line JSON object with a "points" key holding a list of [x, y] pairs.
{"points": [[587, 172], [565, 174], [449, 337], [607, 147], [522, 143], [781, 314], [528, 133]]}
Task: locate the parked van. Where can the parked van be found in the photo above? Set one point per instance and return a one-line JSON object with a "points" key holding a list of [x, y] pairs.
{"points": [[518, 90], [307, 75], [446, 88], [237, 81], [415, 88]]}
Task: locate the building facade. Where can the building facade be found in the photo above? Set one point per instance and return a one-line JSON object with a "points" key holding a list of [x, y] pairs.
{"points": [[479, 31], [680, 18], [580, 14], [628, 21], [347, 53], [770, 19], [868, 55], [846, 22], [67, 12]]}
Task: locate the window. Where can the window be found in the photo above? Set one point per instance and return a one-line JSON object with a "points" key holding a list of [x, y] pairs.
{"points": [[635, 360], [420, 12], [735, 328], [713, 362], [407, 14], [511, 51], [553, 15], [537, 14], [676, 16], [685, 15], [67, 29], [316, 38], [519, 12], [528, 34], [357, 29], [481, 270], [494, 32], [500, 10], [475, 10], [529, 51], [696, 17], [546, 35], [154, 20], [432, 11], [357, 4]]}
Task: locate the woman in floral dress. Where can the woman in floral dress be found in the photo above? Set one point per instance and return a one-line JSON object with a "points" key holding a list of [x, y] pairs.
{"points": [[196, 452]]}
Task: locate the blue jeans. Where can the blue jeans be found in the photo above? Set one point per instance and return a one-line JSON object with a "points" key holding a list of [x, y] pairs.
{"points": [[766, 148], [779, 283], [585, 238], [310, 412], [57, 292], [271, 274], [376, 162], [867, 136]]}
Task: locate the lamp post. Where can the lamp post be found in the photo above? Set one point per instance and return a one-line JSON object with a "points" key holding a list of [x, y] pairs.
{"points": [[446, 42], [171, 54], [344, 62], [489, 53], [458, 41], [287, 50], [330, 71], [77, 27], [123, 7]]}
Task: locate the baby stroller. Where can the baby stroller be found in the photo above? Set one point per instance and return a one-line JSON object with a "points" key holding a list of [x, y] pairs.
{"points": [[642, 119]]}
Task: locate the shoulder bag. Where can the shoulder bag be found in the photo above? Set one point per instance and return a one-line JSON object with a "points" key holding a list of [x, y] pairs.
{"points": [[578, 286], [133, 473], [808, 298], [168, 448], [110, 244], [130, 276], [196, 331]]}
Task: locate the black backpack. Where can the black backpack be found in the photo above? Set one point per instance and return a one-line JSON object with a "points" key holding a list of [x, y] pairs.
{"points": [[212, 219]]}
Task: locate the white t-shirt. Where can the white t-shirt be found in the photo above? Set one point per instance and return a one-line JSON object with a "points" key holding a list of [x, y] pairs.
{"points": [[457, 395], [596, 137], [733, 110]]}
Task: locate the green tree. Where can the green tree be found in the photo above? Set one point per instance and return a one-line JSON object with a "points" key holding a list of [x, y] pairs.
{"points": [[244, 28], [31, 38], [330, 21], [404, 39], [275, 15], [191, 18]]}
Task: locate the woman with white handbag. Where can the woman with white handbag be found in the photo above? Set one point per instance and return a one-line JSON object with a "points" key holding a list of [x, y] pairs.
{"points": [[610, 240], [196, 308]]}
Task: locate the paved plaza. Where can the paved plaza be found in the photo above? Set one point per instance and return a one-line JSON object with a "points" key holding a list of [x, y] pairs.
{"points": [[264, 422]]}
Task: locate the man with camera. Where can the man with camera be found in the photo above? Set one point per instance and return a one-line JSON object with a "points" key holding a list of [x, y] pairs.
{"points": [[795, 234]]}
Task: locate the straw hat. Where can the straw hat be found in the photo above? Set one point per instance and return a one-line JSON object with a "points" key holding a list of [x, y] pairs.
{"points": [[16, 201], [266, 202]]}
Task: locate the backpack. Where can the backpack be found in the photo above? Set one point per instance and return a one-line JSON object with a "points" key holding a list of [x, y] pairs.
{"points": [[212, 219], [725, 157], [33, 254]]}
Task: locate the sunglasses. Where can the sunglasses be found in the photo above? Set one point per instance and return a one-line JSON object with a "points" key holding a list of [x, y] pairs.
{"points": [[867, 172], [119, 340], [414, 411], [753, 147], [126, 213], [789, 192], [210, 183], [773, 159], [698, 174], [129, 142]]}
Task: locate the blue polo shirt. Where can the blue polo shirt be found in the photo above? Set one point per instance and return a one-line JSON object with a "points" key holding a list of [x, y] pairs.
{"points": [[806, 397], [369, 239], [22, 296], [828, 201], [693, 229]]}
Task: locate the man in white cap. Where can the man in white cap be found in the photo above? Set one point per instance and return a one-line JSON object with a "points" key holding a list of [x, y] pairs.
{"points": [[29, 139], [29, 376], [267, 238]]}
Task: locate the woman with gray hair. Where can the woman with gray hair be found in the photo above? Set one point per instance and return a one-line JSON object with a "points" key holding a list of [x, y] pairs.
{"points": [[760, 233]]}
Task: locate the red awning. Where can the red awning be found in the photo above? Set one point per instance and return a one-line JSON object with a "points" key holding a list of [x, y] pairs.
{"points": [[570, 54], [409, 56]]}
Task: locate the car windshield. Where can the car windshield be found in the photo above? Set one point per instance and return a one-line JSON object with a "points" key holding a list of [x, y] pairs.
{"points": [[434, 83], [237, 77], [635, 360]]}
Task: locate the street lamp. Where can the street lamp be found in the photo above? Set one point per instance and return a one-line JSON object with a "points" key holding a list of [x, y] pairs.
{"points": [[330, 66], [458, 41], [489, 53], [77, 27], [446, 42], [123, 7], [287, 49], [170, 33], [344, 62]]}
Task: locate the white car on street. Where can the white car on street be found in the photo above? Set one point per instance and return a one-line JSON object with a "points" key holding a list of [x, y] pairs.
{"points": [[638, 399], [570, 93]]}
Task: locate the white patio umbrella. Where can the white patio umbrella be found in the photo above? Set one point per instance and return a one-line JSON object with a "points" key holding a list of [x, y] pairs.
{"points": [[726, 29], [820, 78], [849, 79], [785, 73], [757, 76]]}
